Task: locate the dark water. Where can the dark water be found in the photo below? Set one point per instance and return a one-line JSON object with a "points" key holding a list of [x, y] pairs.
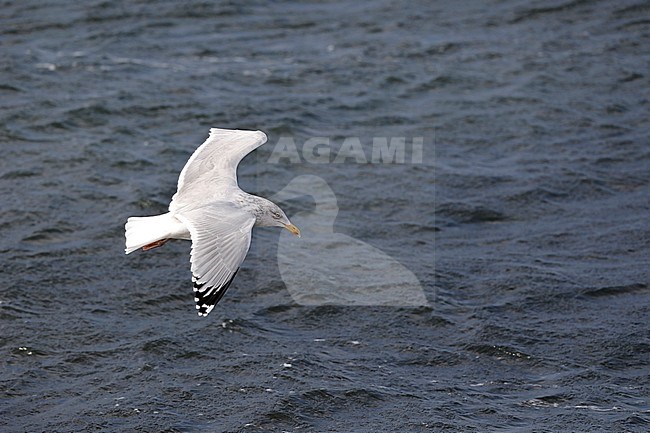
{"points": [[526, 222]]}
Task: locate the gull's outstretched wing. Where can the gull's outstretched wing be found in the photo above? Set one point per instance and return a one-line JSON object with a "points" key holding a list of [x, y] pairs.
{"points": [[221, 236], [213, 166]]}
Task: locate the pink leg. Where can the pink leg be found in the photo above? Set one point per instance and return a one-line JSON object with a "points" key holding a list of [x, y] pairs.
{"points": [[156, 244]]}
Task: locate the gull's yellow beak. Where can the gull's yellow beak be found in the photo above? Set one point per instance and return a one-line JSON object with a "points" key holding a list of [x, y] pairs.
{"points": [[293, 229]]}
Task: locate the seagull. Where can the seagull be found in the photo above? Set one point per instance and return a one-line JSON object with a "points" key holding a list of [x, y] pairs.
{"points": [[211, 210], [346, 271]]}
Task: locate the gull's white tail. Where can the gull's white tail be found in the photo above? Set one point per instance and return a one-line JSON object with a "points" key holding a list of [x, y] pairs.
{"points": [[141, 231]]}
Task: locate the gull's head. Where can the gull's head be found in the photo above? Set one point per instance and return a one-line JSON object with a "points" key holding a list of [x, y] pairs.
{"points": [[273, 216]]}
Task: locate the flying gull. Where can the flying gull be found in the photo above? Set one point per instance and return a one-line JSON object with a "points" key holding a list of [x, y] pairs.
{"points": [[210, 210]]}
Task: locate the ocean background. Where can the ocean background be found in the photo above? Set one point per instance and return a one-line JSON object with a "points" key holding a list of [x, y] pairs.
{"points": [[526, 220]]}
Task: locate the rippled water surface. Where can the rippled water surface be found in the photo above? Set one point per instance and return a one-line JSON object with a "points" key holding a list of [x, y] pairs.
{"points": [[525, 221]]}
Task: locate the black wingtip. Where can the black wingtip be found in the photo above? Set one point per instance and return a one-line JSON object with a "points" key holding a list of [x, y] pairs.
{"points": [[206, 298]]}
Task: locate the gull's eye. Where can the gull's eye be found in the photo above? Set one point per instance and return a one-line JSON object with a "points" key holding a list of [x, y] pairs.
{"points": [[277, 215]]}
